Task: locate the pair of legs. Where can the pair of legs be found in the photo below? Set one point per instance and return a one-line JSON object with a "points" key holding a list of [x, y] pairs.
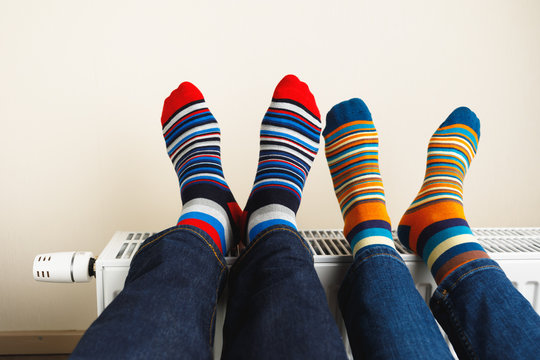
{"points": [[276, 306], [484, 316]]}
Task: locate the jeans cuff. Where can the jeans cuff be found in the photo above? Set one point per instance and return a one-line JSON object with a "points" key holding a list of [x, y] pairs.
{"points": [[370, 252], [456, 277], [188, 230], [446, 311]]}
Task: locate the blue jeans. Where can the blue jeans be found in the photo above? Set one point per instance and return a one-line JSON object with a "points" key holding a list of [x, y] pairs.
{"points": [[277, 308]]}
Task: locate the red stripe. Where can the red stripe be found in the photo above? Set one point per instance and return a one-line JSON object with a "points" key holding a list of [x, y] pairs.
{"points": [[206, 180], [188, 116], [181, 165], [286, 162], [278, 185], [204, 226], [182, 145]]}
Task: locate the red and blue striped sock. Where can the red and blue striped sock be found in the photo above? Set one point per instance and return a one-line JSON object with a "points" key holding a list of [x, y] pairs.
{"points": [[434, 226], [289, 141], [193, 138]]}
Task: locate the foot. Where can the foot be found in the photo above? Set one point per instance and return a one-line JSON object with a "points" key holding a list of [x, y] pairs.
{"points": [[193, 138], [352, 152], [434, 226], [290, 134]]}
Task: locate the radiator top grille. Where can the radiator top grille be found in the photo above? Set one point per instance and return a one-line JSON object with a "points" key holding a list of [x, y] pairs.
{"points": [[325, 242]]}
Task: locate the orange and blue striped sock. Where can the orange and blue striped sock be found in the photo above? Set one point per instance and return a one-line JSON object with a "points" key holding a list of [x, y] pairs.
{"points": [[352, 152], [192, 137], [434, 226]]}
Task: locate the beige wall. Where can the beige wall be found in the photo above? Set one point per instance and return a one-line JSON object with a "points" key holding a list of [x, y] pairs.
{"points": [[82, 85]]}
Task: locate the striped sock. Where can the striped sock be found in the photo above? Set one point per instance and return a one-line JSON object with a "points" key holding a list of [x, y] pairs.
{"points": [[192, 136], [352, 151], [290, 134], [434, 226]]}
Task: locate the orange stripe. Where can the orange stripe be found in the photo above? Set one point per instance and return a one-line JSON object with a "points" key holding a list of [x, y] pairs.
{"points": [[375, 210], [419, 218], [356, 122]]}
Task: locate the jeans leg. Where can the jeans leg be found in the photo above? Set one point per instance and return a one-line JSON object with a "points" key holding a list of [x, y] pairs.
{"points": [[484, 316], [385, 316], [167, 307], [277, 308]]}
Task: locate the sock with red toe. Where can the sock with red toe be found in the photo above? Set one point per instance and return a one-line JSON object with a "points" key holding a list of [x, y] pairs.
{"points": [[289, 141], [193, 138]]}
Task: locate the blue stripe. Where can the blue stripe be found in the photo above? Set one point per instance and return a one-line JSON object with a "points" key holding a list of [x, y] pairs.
{"points": [[467, 135], [196, 133], [188, 125], [364, 153], [439, 237], [452, 252], [370, 232], [289, 137], [265, 224], [276, 175]]}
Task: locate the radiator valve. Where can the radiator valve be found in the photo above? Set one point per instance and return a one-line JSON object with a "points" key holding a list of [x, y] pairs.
{"points": [[64, 267]]}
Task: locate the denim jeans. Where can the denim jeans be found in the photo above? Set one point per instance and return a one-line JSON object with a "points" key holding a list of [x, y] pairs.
{"points": [[277, 307]]}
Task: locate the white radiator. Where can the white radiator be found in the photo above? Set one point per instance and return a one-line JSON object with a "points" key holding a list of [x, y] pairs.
{"points": [[517, 250]]}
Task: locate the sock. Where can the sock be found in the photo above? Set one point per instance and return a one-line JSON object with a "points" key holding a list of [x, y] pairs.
{"points": [[289, 141], [352, 152], [193, 138], [434, 226]]}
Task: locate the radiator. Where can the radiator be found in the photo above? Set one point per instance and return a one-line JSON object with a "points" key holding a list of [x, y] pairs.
{"points": [[517, 250]]}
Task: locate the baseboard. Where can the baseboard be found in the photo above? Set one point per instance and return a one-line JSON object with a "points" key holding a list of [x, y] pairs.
{"points": [[38, 342]]}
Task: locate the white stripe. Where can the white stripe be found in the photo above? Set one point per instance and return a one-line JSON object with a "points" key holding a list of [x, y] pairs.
{"points": [[186, 149], [273, 181], [355, 151], [183, 113], [271, 212], [365, 197], [451, 154], [463, 144], [291, 133], [288, 150], [213, 209], [204, 175], [440, 188], [363, 188], [358, 179], [283, 169], [296, 109], [188, 133], [447, 244], [437, 198], [445, 178], [373, 240], [350, 139], [186, 169]]}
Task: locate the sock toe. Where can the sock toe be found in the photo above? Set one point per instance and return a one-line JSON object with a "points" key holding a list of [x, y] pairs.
{"points": [[186, 93], [463, 115], [290, 87], [345, 111]]}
